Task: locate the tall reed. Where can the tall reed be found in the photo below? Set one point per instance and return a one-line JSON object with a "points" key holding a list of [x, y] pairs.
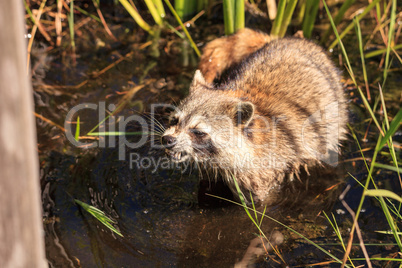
{"points": [[233, 15]]}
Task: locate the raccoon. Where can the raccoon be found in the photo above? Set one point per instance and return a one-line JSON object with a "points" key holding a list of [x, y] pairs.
{"points": [[280, 108]]}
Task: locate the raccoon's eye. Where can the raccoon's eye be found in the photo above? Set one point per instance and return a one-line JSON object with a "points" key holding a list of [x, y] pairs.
{"points": [[174, 121], [198, 133]]}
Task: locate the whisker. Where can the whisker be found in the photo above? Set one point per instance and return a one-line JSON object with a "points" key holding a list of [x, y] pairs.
{"points": [[191, 168], [156, 134], [154, 120], [199, 170]]}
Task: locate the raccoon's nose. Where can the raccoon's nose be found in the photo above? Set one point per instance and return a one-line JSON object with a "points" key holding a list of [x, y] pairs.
{"points": [[169, 141]]}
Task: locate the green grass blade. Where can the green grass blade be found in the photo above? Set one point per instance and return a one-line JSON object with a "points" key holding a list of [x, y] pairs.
{"points": [[391, 32], [350, 26], [228, 16], [106, 118], [345, 6], [77, 130], [28, 10], [154, 12], [71, 25], [340, 43], [383, 193], [116, 133], [190, 8], [179, 7], [360, 149], [302, 12], [335, 227], [393, 168], [359, 35], [197, 51], [99, 215], [381, 51], [160, 8], [395, 124], [263, 214], [239, 15], [390, 220], [253, 206], [202, 4], [368, 107], [179, 34], [279, 17], [389, 140], [387, 232], [378, 11], [309, 17], [132, 10], [243, 203], [366, 244], [377, 259], [87, 13], [287, 16]]}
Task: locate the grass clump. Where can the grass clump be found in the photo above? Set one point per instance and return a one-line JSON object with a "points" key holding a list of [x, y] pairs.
{"points": [[99, 215]]}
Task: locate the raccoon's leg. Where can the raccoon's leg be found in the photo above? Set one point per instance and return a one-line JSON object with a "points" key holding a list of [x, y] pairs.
{"points": [[224, 52]]}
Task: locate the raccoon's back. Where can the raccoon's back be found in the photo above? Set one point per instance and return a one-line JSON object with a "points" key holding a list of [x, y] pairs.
{"points": [[294, 79], [292, 67]]}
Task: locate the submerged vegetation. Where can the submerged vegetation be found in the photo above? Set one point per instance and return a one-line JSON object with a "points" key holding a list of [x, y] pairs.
{"points": [[372, 46]]}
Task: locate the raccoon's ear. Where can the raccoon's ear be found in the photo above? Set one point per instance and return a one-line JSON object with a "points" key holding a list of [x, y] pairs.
{"points": [[198, 80], [244, 112]]}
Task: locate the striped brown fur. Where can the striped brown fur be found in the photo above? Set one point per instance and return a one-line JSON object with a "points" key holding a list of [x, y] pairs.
{"points": [[227, 51]]}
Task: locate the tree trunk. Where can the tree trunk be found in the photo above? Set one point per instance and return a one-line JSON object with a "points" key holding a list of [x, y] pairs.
{"points": [[21, 229]]}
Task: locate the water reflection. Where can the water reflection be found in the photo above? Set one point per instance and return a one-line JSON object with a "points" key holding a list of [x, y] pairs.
{"points": [[160, 216]]}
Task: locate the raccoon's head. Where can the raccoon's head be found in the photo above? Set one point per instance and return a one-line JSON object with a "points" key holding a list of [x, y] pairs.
{"points": [[207, 124]]}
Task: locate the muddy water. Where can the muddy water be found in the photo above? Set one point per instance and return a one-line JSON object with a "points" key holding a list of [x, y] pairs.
{"points": [[163, 212]]}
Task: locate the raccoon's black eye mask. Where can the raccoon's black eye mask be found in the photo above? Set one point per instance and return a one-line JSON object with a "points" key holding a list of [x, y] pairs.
{"points": [[173, 121], [198, 133]]}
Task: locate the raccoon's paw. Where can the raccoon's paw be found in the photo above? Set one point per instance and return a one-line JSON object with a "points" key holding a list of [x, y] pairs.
{"points": [[295, 172]]}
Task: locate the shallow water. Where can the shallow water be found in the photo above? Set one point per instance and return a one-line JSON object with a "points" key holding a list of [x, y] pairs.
{"points": [[165, 217]]}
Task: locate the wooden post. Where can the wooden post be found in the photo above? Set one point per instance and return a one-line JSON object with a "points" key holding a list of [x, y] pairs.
{"points": [[21, 229]]}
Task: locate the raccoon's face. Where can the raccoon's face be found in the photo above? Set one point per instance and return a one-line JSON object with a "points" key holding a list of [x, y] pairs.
{"points": [[205, 126], [189, 138]]}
